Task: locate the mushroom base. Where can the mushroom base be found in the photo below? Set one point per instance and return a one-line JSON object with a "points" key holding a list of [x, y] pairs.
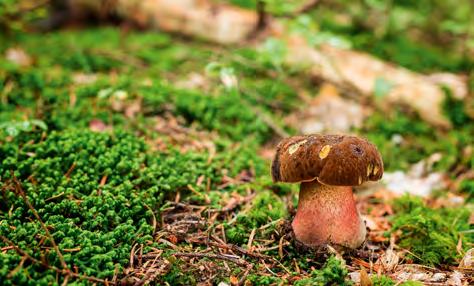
{"points": [[328, 215]]}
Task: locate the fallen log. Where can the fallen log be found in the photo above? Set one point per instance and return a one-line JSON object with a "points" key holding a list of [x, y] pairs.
{"points": [[215, 22]]}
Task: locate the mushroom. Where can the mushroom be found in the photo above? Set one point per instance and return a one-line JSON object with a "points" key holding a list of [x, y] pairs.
{"points": [[327, 166]]}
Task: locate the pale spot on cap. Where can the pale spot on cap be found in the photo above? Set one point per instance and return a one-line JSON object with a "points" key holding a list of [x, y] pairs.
{"points": [[293, 148], [376, 170], [369, 169], [324, 151]]}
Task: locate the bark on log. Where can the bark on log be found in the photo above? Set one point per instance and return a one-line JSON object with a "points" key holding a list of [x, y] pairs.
{"points": [[220, 23]]}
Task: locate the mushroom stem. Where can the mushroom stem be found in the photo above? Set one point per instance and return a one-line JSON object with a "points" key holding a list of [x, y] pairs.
{"points": [[328, 214]]}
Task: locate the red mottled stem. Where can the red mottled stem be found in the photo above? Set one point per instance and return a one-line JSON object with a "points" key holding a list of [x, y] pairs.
{"points": [[328, 214]]}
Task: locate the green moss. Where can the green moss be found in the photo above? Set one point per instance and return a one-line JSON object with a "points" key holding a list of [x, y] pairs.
{"points": [[382, 280], [103, 220], [431, 235], [258, 279], [412, 283], [332, 273], [176, 276], [265, 208], [227, 113]]}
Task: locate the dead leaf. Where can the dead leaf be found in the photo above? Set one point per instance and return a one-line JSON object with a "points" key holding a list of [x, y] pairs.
{"points": [[234, 280], [98, 125], [194, 81], [438, 277], [173, 239], [364, 278], [355, 276], [455, 279], [388, 260], [467, 261], [82, 78], [117, 99], [418, 180], [18, 56], [133, 108]]}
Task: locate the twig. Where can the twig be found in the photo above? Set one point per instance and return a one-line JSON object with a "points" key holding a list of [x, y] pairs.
{"points": [[244, 276], [269, 270], [153, 217], [237, 261], [236, 248], [20, 190], [65, 272], [54, 197], [272, 247], [252, 235], [148, 273], [69, 171]]}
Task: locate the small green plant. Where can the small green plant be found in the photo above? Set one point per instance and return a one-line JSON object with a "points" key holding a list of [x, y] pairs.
{"points": [[226, 113], [332, 273], [382, 280]]}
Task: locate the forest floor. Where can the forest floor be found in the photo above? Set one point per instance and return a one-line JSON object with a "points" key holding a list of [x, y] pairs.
{"points": [[133, 157]]}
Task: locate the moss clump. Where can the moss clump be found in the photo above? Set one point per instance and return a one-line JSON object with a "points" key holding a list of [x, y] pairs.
{"points": [[382, 280], [227, 113], [265, 208], [332, 273], [95, 191], [431, 235], [258, 279], [412, 283]]}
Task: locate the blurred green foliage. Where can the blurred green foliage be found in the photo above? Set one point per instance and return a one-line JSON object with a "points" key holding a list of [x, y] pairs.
{"points": [[17, 15], [403, 139], [410, 33]]}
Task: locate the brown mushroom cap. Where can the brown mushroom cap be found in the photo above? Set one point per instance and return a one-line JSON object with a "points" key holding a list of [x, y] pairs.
{"points": [[337, 160]]}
